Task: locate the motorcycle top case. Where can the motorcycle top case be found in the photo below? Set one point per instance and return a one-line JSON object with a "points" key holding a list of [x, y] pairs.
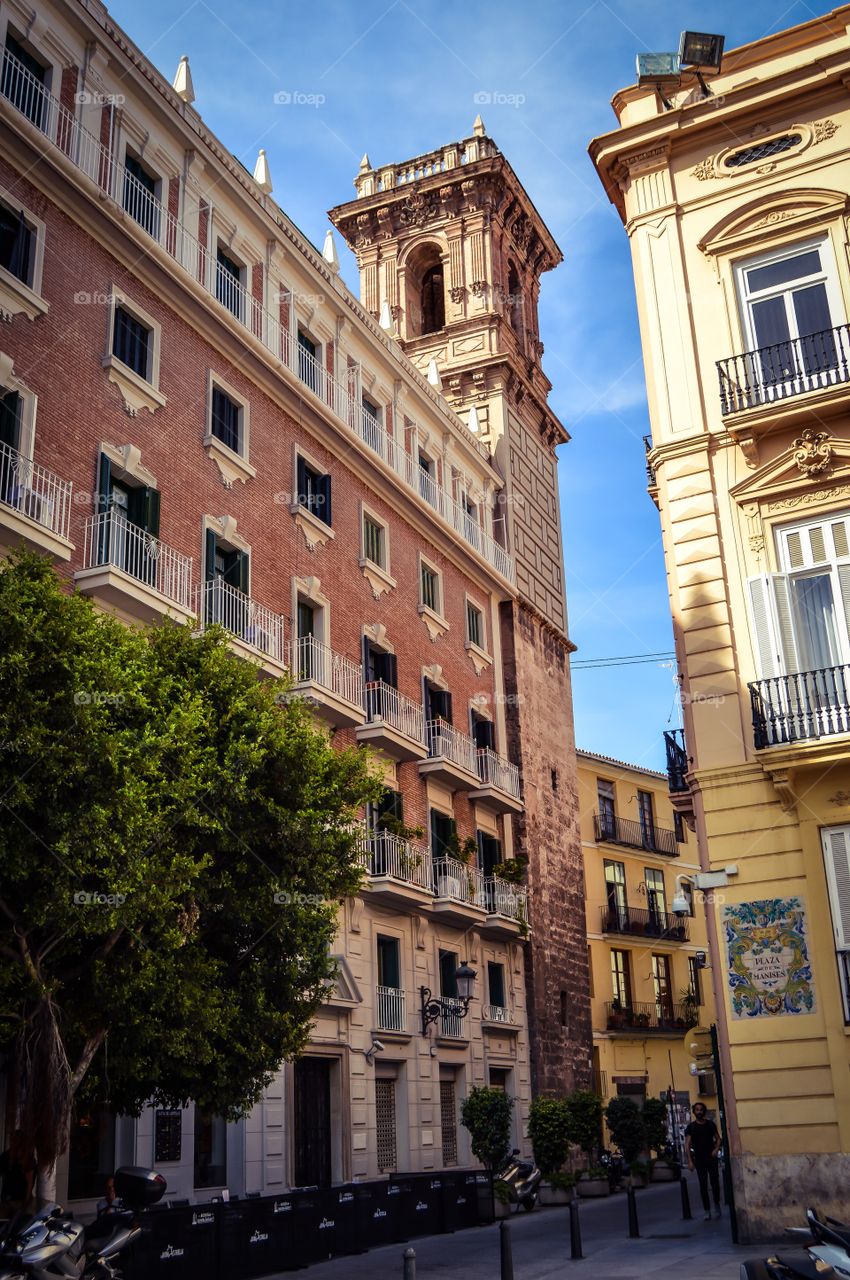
{"points": [[139, 1188]]}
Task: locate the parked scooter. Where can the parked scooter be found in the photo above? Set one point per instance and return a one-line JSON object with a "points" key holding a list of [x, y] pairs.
{"points": [[825, 1254], [49, 1244], [520, 1178], [615, 1166]]}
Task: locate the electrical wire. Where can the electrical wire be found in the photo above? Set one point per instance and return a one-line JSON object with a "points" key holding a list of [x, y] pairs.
{"points": [[626, 660]]}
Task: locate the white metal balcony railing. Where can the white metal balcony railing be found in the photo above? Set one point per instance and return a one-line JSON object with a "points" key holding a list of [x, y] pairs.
{"points": [[448, 743], [390, 1008], [497, 1013], [252, 623], [455, 880], [91, 158], [314, 661], [385, 854], [501, 898], [495, 771], [451, 1022], [111, 539], [382, 702], [34, 491]]}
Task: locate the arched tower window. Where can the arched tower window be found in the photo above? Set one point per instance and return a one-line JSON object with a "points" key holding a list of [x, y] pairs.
{"points": [[425, 291], [433, 299]]}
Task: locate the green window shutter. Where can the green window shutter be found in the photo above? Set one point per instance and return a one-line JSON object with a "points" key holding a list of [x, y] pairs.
{"points": [[836, 849], [152, 502], [10, 420], [241, 573], [104, 483], [209, 556], [325, 489]]}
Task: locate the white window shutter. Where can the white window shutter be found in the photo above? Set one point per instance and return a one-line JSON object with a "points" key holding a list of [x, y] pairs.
{"points": [[765, 640], [784, 622], [844, 585], [836, 850]]}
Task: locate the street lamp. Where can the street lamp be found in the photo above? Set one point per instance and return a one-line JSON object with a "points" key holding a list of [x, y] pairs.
{"points": [[431, 1006]]}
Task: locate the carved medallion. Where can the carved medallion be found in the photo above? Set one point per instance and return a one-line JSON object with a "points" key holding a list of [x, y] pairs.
{"points": [[705, 169], [824, 129], [813, 453]]}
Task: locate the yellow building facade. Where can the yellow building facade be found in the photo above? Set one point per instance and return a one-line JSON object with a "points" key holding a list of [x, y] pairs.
{"points": [[647, 986], [735, 201]]}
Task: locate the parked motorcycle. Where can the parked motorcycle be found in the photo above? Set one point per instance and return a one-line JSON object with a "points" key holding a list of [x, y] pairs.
{"points": [[521, 1180], [616, 1168], [825, 1254], [50, 1243]]}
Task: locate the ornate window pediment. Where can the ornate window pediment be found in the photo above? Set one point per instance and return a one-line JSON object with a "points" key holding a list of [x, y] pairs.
{"points": [[788, 212], [814, 469]]}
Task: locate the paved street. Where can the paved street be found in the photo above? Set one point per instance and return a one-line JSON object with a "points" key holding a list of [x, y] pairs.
{"points": [[668, 1247]]}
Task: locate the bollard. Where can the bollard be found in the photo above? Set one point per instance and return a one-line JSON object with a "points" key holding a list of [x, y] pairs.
{"points": [[505, 1251], [575, 1230], [686, 1199], [409, 1272], [634, 1229]]}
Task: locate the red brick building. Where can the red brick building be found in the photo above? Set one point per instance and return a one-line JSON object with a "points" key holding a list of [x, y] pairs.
{"points": [[199, 421]]}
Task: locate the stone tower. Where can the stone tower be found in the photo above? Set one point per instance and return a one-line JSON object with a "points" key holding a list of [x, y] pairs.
{"points": [[451, 251]]}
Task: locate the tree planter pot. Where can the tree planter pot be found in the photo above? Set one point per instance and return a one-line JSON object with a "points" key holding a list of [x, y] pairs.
{"points": [[501, 1208], [589, 1188], [663, 1173], [638, 1181], [550, 1195]]}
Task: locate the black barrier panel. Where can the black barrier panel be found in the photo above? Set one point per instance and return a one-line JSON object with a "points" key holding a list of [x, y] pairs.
{"points": [[484, 1197], [177, 1248], [135, 1261], [460, 1201], [315, 1226], [347, 1236], [425, 1206], [247, 1240], [280, 1216], [373, 1215], [399, 1195]]}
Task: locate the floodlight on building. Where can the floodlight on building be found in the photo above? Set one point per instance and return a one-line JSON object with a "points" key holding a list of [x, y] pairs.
{"points": [[663, 70], [699, 51]]}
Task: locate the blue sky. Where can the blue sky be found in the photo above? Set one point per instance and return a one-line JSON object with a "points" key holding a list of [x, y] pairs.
{"points": [[396, 79]]}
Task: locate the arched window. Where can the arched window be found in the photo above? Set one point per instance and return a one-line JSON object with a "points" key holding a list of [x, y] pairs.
{"points": [[433, 299]]}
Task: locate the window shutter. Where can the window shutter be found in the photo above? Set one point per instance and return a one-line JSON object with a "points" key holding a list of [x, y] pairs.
{"points": [[844, 584], [785, 624], [10, 419], [241, 575], [209, 556], [836, 848], [326, 513], [447, 707], [301, 482], [150, 511], [104, 484], [772, 625], [391, 670]]}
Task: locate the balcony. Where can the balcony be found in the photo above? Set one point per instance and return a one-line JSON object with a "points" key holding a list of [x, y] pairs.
{"points": [[134, 573], [635, 835], [650, 1018], [451, 1022], [507, 909], [333, 684], [782, 380], [394, 723], [390, 1011], [678, 763], [76, 148], [452, 756], [400, 874], [802, 707], [499, 787], [460, 896], [495, 1017], [35, 506], [640, 922], [257, 634]]}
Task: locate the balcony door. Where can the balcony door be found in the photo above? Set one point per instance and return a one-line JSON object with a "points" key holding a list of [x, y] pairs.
{"points": [[656, 898], [790, 310], [128, 512], [615, 890], [663, 982], [647, 819], [607, 811], [312, 1128]]}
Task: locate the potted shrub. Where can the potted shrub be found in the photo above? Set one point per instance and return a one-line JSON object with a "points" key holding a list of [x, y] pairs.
{"points": [[486, 1113], [585, 1109], [661, 1169], [501, 1200], [617, 1016], [550, 1131], [628, 1131], [593, 1182], [639, 1173]]}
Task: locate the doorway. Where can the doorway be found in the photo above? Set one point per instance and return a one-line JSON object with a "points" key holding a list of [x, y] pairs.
{"points": [[312, 1127]]}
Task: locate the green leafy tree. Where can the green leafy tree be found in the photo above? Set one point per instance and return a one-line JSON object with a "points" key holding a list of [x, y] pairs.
{"points": [[585, 1119], [628, 1131], [655, 1123], [175, 839], [486, 1113], [550, 1131]]}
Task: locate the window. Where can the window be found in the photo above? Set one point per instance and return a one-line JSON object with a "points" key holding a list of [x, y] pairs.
{"points": [[448, 969], [496, 984], [374, 541], [448, 1121], [23, 81], [309, 368], [226, 586], [210, 1150], [663, 984], [16, 244], [438, 703], [379, 666], [474, 625], [385, 1125], [443, 835], [790, 304], [389, 963], [428, 479], [471, 525], [762, 150], [132, 342], [515, 301], [386, 812], [429, 588], [389, 995], [605, 800], [226, 418], [615, 888], [694, 979], [140, 195], [433, 299], [314, 491], [680, 829], [656, 896], [621, 981], [489, 852], [483, 731], [647, 819], [836, 850], [228, 283], [371, 420], [499, 1078], [126, 513]]}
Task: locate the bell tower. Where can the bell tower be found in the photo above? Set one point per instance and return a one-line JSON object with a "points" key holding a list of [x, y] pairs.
{"points": [[451, 251]]}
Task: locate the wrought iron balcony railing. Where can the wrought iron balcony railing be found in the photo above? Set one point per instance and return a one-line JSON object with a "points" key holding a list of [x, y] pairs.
{"points": [[385, 854], [448, 743], [802, 706], [96, 162], [497, 1013], [635, 835], [382, 702], [34, 491], [504, 899], [390, 1008], [315, 662], [455, 880], [451, 1022], [495, 771], [784, 369], [677, 759], [649, 1016], [644, 922], [252, 623], [112, 540]]}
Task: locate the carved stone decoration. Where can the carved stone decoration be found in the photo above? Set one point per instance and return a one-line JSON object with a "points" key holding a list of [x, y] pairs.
{"points": [[807, 499], [824, 130], [418, 209], [457, 294], [478, 287], [777, 215], [840, 797], [750, 449], [754, 528], [705, 169], [813, 453], [521, 233]]}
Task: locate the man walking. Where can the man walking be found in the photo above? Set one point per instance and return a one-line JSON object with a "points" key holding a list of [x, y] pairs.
{"points": [[702, 1143]]}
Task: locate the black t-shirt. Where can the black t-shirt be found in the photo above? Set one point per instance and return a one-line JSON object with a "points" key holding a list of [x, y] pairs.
{"points": [[702, 1138]]}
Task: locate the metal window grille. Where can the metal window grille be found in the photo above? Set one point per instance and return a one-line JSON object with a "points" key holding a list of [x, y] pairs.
{"points": [[448, 1121], [762, 150], [385, 1122], [373, 541], [131, 342], [225, 419]]}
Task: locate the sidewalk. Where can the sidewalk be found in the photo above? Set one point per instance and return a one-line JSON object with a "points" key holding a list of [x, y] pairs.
{"points": [[668, 1248]]}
